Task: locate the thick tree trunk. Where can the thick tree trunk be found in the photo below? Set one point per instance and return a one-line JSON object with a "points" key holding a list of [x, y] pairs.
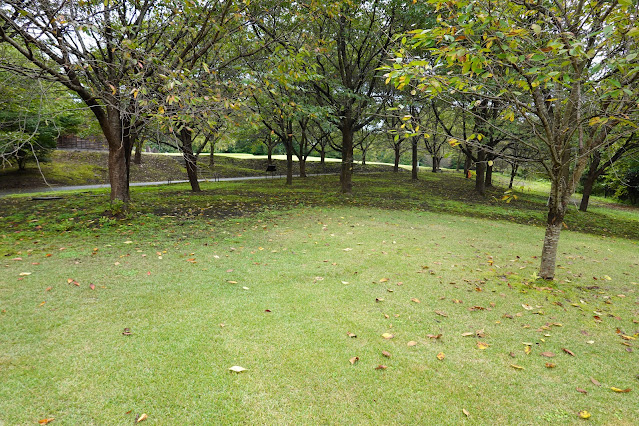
{"points": [[346, 173], [137, 158], [186, 146], [269, 154], [414, 162], [397, 155], [302, 167], [554, 222], [323, 156], [585, 198], [480, 178], [119, 154]]}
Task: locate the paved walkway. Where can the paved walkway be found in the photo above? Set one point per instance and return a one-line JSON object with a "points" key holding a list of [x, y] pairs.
{"points": [[106, 185]]}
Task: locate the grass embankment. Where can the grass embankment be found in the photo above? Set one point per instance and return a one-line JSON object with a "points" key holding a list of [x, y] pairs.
{"points": [[272, 279]]}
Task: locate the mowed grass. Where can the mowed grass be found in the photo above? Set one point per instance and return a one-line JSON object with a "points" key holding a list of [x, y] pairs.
{"points": [[275, 282]]}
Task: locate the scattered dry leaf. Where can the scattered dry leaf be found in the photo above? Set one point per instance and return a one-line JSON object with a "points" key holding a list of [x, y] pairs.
{"points": [[237, 369], [467, 334], [142, 417], [349, 334], [527, 349], [388, 336], [482, 345], [441, 356], [568, 351], [517, 367], [547, 354], [92, 286], [127, 332], [441, 313], [353, 360], [46, 421], [381, 367], [550, 365], [386, 354], [595, 382], [414, 299], [411, 343], [584, 391], [434, 336], [466, 413], [383, 280]]}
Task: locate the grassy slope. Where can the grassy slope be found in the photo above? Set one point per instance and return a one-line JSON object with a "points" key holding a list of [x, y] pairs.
{"points": [[174, 272]]}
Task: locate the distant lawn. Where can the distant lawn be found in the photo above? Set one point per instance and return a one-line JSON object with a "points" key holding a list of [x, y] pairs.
{"points": [[272, 279]]}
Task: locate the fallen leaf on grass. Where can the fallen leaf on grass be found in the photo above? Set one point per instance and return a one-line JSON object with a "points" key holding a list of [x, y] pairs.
{"points": [[142, 417], [568, 351], [127, 332], [550, 365], [237, 369], [414, 299], [517, 367], [379, 299], [467, 334], [580, 390], [24, 274], [441, 313], [527, 349], [49, 288], [353, 360], [441, 356], [482, 345], [383, 280], [388, 336], [595, 382], [411, 343], [381, 367], [386, 354], [547, 354], [46, 421], [466, 413], [349, 334], [621, 390], [92, 286], [584, 414], [435, 336]]}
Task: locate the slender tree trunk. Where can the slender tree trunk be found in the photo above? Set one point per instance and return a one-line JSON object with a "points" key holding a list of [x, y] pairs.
{"points": [[458, 161], [414, 160], [489, 176], [467, 163], [397, 155], [323, 156], [346, 174], [186, 146], [303, 167], [591, 178], [137, 158], [289, 159], [513, 173], [480, 178]]}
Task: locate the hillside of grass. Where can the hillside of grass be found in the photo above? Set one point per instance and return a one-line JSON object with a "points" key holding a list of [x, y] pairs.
{"points": [[405, 303]]}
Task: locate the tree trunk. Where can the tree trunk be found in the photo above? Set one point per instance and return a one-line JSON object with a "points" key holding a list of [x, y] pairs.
{"points": [[436, 162], [323, 156], [346, 173], [480, 178], [513, 173], [554, 223], [119, 154], [186, 147], [414, 162], [137, 158], [302, 167], [289, 160], [363, 158], [212, 154], [269, 153], [591, 178], [397, 155], [467, 163], [488, 181]]}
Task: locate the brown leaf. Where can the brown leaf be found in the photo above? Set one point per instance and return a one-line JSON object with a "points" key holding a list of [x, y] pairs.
{"points": [[595, 382], [267, 310], [457, 301], [381, 367], [46, 421], [441, 356], [435, 336], [49, 289], [127, 332], [467, 334], [477, 308], [349, 334], [580, 390], [386, 354], [416, 300], [466, 413], [547, 354], [92, 286], [441, 313], [142, 417], [480, 333], [482, 345], [568, 351], [354, 360], [512, 355], [550, 365], [411, 343]]}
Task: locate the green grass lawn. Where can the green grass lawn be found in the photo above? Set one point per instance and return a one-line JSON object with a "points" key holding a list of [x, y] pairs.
{"points": [[273, 278]]}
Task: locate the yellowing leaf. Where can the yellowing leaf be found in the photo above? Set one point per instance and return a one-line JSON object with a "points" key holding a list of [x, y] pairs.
{"points": [[441, 356], [414, 299], [550, 365], [387, 336], [46, 421], [584, 414], [517, 367], [383, 280], [466, 413], [441, 313], [482, 345], [411, 343], [621, 390], [528, 350]]}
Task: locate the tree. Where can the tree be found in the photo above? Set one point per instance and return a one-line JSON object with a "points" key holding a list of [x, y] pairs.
{"points": [[567, 70]]}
